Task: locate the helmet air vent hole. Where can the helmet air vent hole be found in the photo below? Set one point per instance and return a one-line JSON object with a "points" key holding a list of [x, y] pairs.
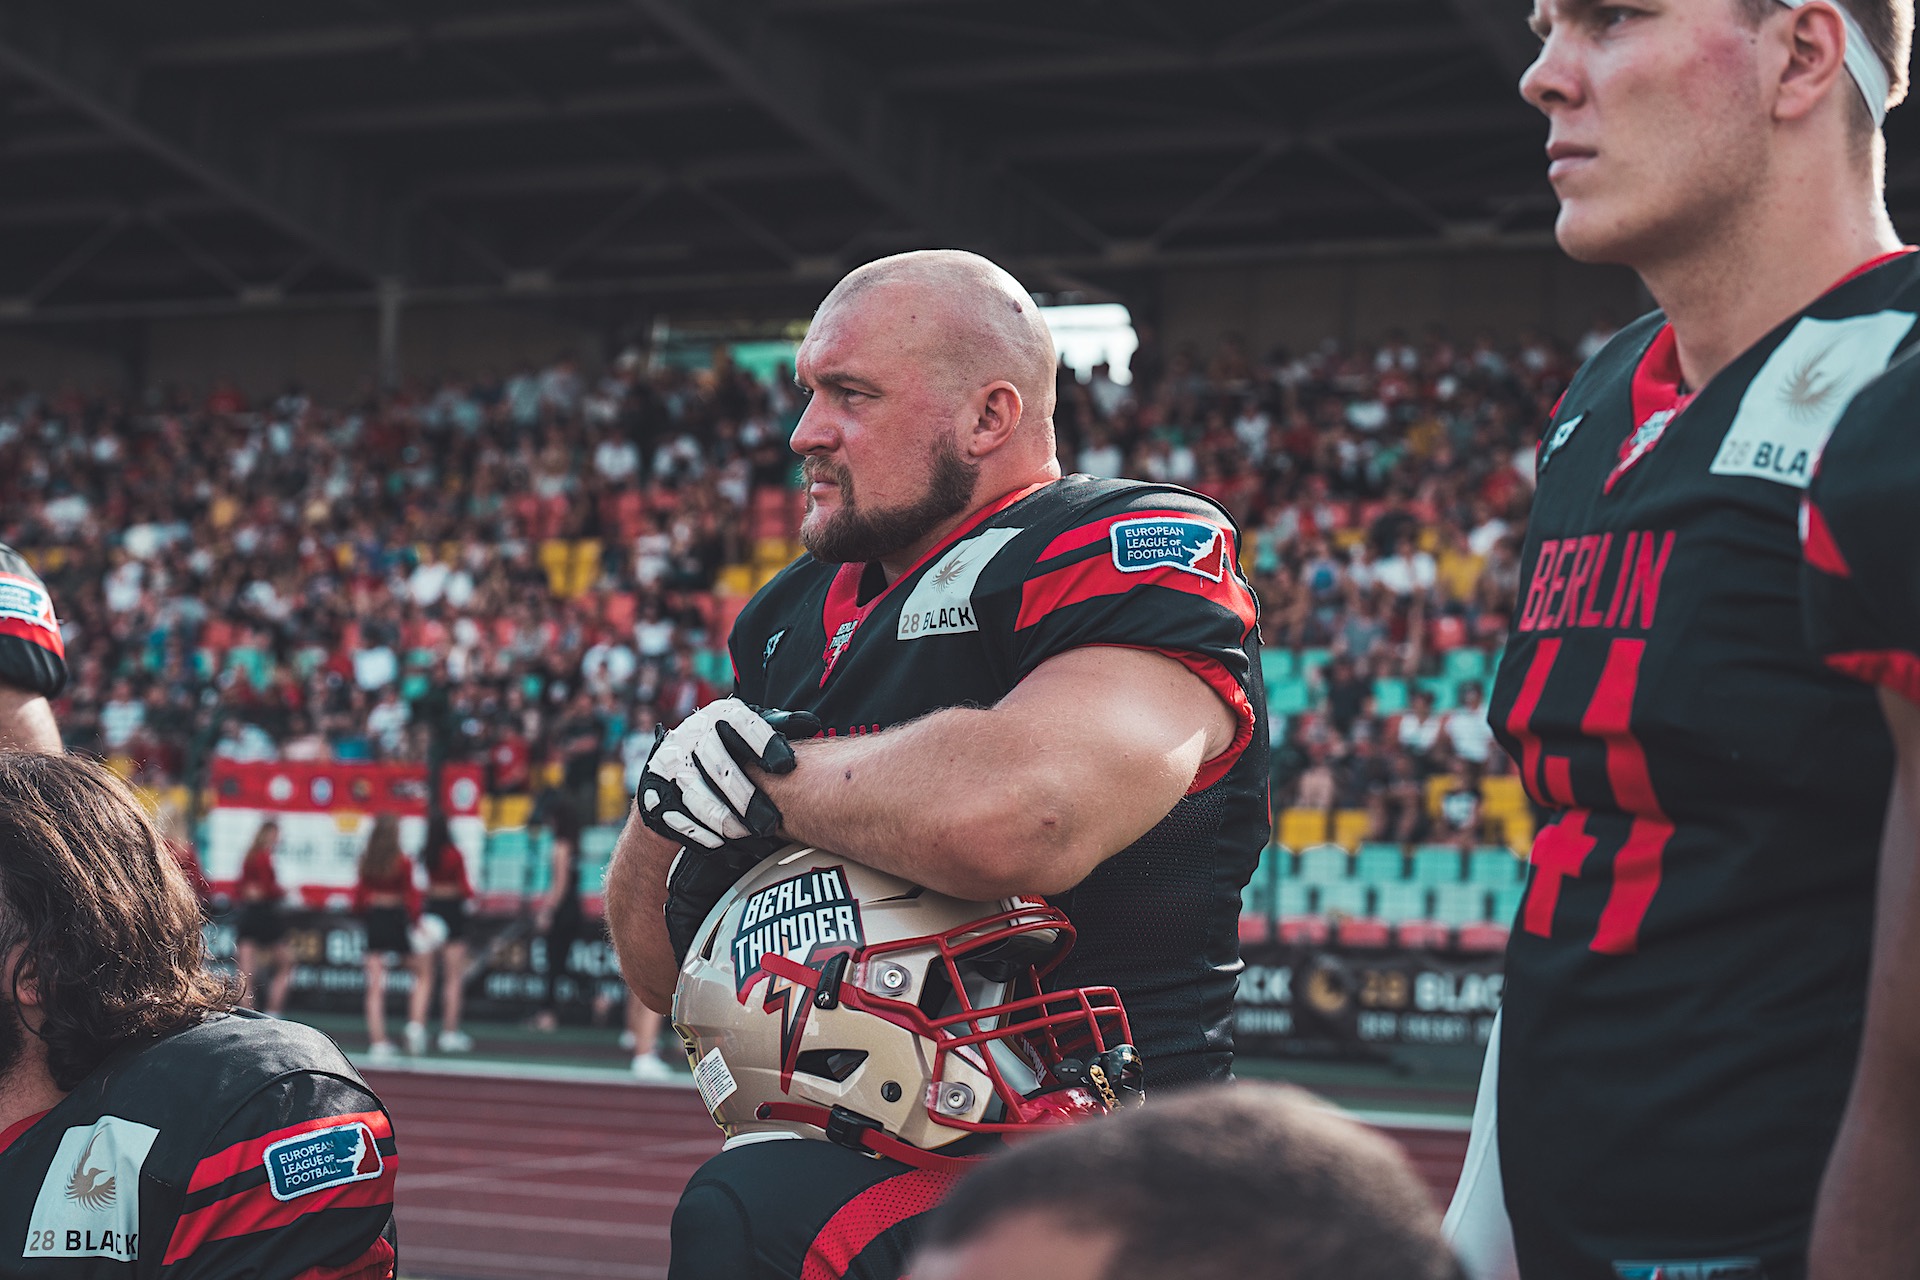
{"points": [[890, 1091]]}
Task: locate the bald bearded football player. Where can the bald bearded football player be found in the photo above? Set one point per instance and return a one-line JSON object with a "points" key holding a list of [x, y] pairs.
{"points": [[1029, 685]]}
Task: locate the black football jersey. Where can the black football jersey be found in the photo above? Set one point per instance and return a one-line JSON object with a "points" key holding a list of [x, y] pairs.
{"points": [[1860, 586], [1072, 563], [1686, 974], [244, 1146], [799, 1209]]}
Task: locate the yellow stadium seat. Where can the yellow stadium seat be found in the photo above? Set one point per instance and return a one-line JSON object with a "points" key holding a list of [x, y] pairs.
{"points": [[1350, 827], [1302, 828], [772, 553], [122, 766], [512, 810], [1503, 797], [1249, 545], [548, 774], [1429, 539], [762, 577], [1437, 787], [612, 797], [734, 580], [585, 568], [1348, 539], [1519, 832], [555, 557]]}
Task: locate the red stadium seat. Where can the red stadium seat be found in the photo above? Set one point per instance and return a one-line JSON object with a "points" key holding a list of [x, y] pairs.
{"points": [[1367, 934], [1483, 937], [1255, 929], [1304, 931], [1424, 935]]}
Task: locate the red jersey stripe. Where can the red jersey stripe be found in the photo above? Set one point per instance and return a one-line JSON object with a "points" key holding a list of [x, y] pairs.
{"points": [[864, 1218], [1818, 546], [1894, 669], [220, 1166], [11, 1134], [1090, 579], [1089, 534], [255, 1210], [376, 1263], [34, 633]]}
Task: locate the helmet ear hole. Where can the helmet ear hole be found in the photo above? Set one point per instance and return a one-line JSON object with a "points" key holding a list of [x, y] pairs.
{"points": [[830, 1064]]}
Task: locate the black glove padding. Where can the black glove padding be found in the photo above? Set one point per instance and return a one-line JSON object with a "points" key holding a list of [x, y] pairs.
{"points": [[32, 654], [696, 789]]}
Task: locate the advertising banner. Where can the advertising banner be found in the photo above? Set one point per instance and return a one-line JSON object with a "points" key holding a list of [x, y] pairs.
{"points": [[325, 812], [1294, 999]]}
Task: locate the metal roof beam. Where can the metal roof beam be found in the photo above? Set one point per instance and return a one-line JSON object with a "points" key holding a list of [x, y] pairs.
{"points": [[1424, 41], [217, 142], [308, 43], [478, 112], [1430, 123], [901, 158]]}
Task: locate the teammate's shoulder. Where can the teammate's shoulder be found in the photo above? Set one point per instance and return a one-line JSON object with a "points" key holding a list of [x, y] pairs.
{"points": [[233, 1053], [1870, 457]]}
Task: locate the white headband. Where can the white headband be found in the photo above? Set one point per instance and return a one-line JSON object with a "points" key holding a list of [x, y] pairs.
{"points": [[1863, 64]]}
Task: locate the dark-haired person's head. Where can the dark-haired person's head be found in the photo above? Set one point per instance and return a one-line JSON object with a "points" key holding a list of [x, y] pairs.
{"points": [[100, 940], [1228, 1183]]}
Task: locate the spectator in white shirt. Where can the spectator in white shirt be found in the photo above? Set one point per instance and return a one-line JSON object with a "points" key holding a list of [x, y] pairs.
{"points": [[122, 717], [1467, 727], [1408, 571], [1418, 728], [387, 721]]}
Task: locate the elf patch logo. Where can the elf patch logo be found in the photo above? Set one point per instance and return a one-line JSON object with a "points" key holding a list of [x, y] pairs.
{"points": [[89, 1202], [1146, 543], [25, 601], [310, 1162]]}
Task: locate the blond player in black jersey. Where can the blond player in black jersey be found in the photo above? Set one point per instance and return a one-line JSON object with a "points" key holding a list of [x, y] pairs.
{"points": [[1686, 974]]}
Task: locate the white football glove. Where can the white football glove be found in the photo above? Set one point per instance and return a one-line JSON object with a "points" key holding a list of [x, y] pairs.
{"points": [[696, 789]]}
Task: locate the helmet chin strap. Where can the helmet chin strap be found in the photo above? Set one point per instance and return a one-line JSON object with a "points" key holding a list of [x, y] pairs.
{"points": [[1863, 64], [857, 1133]]}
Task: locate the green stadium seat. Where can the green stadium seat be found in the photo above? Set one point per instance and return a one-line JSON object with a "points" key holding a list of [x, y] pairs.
{"points": [[1398, 901], [1465, 664], [1295, 899], [1389, 696], [1278, 664], [1459, 904], [1325, 864], [1506, 903], [1289, 696], [1379, 864], [1436, 864], [714, 666], [1494, 868], [1311, 660], [1444, 696], [1349, 898], [1274, 868]]}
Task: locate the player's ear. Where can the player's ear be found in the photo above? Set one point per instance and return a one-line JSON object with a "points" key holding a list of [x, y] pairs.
{"points": [[17, 978], [1815, 63], [999, 413]]}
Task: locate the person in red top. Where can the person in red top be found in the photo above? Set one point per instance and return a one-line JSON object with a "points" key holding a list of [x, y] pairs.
{"points": [[449, 892], [388, 901], [261, 923]]}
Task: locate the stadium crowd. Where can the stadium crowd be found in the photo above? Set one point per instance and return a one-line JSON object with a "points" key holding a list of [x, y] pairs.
{"points": [[522, 570]]}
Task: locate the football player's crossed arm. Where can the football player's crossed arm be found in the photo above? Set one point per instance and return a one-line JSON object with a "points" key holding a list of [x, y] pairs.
{"points": [[1081, 759], [1867, 1226]]}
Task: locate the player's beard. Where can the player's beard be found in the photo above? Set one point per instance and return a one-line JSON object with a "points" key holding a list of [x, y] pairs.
{"points": [[853, 536], [13, 1039]]}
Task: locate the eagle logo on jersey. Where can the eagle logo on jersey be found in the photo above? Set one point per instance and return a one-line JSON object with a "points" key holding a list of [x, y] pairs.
{"points": [[91, 1185], [1807, 393]]}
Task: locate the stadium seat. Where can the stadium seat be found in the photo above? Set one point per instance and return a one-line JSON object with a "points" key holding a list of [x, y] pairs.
{"points": [[1398, 900], [1277, 664], [1459, 904], [1424, 935], [1302, 827], [1482, 938], [1437, 787], [1305, 931], [1506, 903], [583, 572], [1275, 867], [714, 666], [556, 557], [1436, 864], [1445, 698], [1325, 864], [1311, 660], [1502, 796], [1494, 868], [1518, 832], [1351, 826], [1379, 863], [1365, 934], [1343, 897], [611, 798], [1389, 696], [1465, 664], [1288, 696], [734, 580], [1255, 929], [512, 810], [1295, 899]]}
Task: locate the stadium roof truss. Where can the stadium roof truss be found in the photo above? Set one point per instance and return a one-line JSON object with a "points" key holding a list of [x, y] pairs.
{"points": [[211, 155]]}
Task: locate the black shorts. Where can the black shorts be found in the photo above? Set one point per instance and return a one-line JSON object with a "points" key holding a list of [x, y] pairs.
{"points": [[387, 930], [454, 912], [261, 923]]}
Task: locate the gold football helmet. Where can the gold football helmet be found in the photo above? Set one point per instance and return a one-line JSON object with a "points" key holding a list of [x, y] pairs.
{"points": [[825, 999]]}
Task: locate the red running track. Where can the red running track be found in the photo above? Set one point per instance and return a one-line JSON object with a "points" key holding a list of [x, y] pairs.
{"points": [[525, 1180]]}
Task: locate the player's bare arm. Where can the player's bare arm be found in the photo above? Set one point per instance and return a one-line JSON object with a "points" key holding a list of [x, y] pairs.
{"points": [[1865, 1228], [1029, 796], [26, 721]]}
